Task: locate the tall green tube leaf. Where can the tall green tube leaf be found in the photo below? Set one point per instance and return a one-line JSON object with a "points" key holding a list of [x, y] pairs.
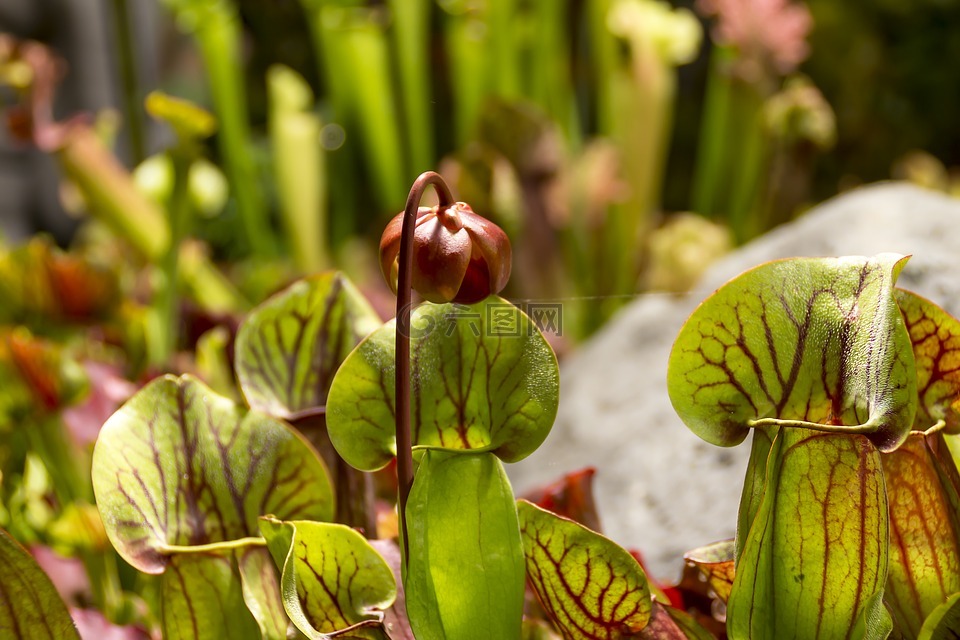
{"points": [[216, 26], [298, 164], [465, 574], [814, 355], [814, 560]]}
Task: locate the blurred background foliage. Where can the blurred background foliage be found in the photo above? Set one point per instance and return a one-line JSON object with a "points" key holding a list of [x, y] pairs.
{"points": [[534, 104], [589, 129], [236, 145]]}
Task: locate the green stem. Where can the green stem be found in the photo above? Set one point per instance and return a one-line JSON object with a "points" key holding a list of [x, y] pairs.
{"points": [[411, 40], [603, 54], [330, 51], [550, 81], [766, 210], [111, 194], [104, 576], [714, 138], [298, 163], [213, 547], [132, 112], [505, 59], [468, 70], [404, 302], [368, 60], [749, 176], [643, 132], [218, 34], [51, 442], [167, 323], [815, 426]]}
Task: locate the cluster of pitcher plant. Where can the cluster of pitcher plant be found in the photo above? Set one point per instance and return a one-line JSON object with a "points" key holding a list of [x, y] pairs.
{"points": [[359, 491]]}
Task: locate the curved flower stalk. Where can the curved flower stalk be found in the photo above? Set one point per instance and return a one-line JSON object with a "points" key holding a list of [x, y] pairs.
{"points": [[458, 255], [481, 388], [472, 395]]}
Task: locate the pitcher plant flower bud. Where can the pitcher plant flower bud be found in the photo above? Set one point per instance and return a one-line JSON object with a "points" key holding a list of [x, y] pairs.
{"points": [[458, 255]]}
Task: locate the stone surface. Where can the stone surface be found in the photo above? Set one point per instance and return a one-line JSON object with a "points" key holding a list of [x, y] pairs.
{"points": [[659, 488]]}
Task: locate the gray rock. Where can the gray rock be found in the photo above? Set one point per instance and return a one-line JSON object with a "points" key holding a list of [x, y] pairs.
{"points": [[659, 488]]}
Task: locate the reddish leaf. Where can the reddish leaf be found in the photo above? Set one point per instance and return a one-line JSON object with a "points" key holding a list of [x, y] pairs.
{"points": [[667, 623], [661, 592], [84, 291], [51, 379], [40, 282], [570, 497], [108, 390], [924, 565], [923, 484], [395, 618], [93, 625], [935, 336]]}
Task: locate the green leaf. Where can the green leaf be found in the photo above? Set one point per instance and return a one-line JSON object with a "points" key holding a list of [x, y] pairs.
{"points": [[202, 599], [753, 484], [179, 466], [30, 607], [590, 586], [465, 573], [944, 622], [260, 581], [922, 484], [806, 342], [715, 563], [482, 378], [289, 348], [333, 579], [814, 560]]}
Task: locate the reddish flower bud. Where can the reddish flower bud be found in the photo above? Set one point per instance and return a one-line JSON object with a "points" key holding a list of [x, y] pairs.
{"points": [[458, 256]]}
